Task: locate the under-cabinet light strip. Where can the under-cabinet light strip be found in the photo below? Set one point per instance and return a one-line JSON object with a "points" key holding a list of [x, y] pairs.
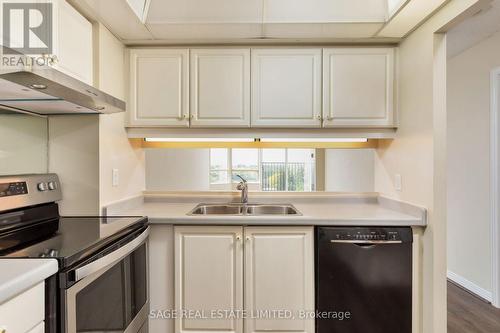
{"points": [[199, 139], [283, 140], [333, 140]]}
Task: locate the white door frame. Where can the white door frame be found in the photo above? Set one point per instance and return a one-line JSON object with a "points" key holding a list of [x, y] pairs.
{"points": [[495, 188]]}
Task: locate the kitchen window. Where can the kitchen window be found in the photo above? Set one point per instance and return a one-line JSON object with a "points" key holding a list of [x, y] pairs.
{"points": [[264, 169], [226, 163]]}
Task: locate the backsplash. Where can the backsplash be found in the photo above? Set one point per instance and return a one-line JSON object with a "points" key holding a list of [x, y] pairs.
{"points": [[268, 170], [23, 144]]}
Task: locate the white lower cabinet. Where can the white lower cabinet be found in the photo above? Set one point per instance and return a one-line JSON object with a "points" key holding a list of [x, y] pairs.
{"points": [[208, 277], [279, 275], [278, 281], [25, 312]]}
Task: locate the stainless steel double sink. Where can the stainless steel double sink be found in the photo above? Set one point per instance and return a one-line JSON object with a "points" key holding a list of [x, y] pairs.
{"points": [[239, 209]]}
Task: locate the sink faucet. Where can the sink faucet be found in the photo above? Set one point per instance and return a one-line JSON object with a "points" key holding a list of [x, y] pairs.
{"points": [[243, 187]]}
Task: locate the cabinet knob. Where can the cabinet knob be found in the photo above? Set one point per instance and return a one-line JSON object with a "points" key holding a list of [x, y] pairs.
{"points": [[248, 238], [319, 117], [238, 237], [329, 118]]}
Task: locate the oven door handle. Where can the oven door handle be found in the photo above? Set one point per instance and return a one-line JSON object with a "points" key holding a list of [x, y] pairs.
{"points": [[113, 257]]}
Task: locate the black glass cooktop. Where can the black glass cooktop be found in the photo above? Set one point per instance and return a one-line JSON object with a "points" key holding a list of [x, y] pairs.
{"points": [[77, 238]]}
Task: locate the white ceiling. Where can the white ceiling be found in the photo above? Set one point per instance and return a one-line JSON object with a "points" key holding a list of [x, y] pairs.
{"points": [[474, 30], [266, 11], [199, 11], [226, 21]]}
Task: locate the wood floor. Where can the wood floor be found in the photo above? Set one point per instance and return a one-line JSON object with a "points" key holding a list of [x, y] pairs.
{"points": [[469, 314]]}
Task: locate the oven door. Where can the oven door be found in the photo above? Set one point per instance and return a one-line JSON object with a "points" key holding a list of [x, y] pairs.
{"points": [[111, 292]]}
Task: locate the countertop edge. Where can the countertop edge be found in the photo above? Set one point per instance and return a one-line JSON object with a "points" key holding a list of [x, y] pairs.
{"points": [[28, 277], [283, 222]]}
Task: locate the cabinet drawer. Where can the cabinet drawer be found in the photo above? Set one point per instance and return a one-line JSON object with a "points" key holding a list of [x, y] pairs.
{"points": [[24, 312]]}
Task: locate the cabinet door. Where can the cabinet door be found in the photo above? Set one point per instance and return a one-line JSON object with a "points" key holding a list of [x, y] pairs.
{"points": [[73, 46], [220, 87], [24, 311], [208, 277], [286, 87], [279, 275], [358, 87], [159, 87]]}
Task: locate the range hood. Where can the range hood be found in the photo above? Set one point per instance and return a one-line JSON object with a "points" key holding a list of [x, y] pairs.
{"points": [[48, 91]]}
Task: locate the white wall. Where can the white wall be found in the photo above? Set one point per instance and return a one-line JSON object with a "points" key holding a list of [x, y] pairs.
{"points": [[23, 144], [177, 169], [469, 254], [349, 170], [418, 154], [83, 150], [115, 150]]}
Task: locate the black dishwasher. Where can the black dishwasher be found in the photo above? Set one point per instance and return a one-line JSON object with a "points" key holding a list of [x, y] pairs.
{"points": [[363, 280]]}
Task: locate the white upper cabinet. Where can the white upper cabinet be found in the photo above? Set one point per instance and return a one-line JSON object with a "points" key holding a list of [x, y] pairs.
{"points": [[279, 274], [220, 87], [286, 87], [358, 87], [277, 87], [209, 277], [73, 43], [159, 87]]}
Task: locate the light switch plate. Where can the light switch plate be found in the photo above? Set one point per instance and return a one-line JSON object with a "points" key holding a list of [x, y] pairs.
{"points": [[398, 183], [116, 177]]}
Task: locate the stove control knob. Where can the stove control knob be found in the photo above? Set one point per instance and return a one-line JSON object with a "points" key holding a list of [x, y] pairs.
{"points": [[42, 187], [52, 186]]}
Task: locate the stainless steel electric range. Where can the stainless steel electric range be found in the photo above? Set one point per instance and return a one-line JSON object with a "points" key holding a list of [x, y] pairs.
{"points": [[102, 283]]}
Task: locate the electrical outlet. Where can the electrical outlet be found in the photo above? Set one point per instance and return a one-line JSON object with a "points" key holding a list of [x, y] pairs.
{"points": [[398, 183], [116, 177]]}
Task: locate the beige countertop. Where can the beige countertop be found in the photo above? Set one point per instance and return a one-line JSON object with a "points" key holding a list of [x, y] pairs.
{"points": [[360, 209]]}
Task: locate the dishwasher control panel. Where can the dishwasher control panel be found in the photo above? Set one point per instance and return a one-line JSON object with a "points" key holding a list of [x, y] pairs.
{"points": [[369, 234]]}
